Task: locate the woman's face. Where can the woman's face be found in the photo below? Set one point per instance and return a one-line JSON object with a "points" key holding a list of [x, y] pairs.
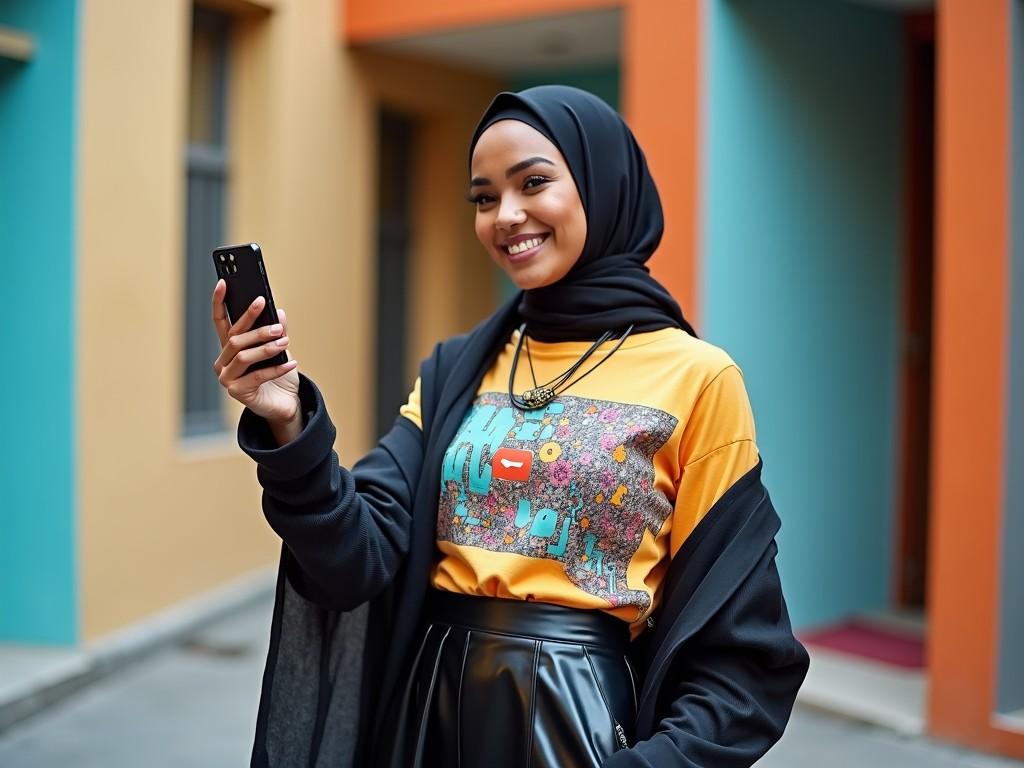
{"points": [[529, 215]]}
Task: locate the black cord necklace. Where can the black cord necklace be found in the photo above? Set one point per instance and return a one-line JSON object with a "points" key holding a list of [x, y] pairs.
{"points": [[543, 394]]}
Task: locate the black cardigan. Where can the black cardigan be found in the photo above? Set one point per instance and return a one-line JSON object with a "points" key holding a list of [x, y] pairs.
{"points": [[720, 666]]}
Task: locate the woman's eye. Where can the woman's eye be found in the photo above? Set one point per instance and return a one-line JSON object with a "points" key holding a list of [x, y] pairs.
{"points": [[533, 182], [481, 199]]}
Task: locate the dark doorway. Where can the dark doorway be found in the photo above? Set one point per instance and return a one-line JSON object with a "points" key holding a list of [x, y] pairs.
{"points": [[918, 277], [394, 226]]}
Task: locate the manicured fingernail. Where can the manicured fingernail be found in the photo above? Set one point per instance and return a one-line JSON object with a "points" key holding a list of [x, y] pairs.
{"points": [[282, 342], [276, 329]]}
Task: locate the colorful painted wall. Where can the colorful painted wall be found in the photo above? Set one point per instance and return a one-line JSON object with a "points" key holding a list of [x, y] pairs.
{"points": [[802, 225], [37, 220]]}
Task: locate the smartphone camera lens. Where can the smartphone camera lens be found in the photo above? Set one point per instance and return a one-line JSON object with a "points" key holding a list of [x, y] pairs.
{"points": [[231, 256], [222, 257], [233, 269]]}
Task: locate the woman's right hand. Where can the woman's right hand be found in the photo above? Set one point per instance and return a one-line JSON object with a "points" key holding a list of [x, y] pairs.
{"points": [[273, 392]]}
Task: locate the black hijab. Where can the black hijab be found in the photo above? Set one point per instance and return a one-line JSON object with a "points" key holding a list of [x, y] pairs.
{"points": [[609, 287]]}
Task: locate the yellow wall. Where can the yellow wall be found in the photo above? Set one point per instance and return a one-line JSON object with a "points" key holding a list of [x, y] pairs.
{"points": [[161, 518]]}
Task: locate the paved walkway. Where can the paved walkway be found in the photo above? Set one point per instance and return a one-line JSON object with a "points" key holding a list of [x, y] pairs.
{"points": [[194, 705]]}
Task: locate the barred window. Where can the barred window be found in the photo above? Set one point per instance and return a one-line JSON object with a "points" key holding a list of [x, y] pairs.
{"points": [[207, 179]]}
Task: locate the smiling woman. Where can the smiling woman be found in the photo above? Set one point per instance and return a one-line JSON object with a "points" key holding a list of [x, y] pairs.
{"points": [[527, 552]]}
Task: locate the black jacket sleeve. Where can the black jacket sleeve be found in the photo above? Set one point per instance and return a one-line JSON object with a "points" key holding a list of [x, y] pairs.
{"points": [[346, 531], [729, 692]]}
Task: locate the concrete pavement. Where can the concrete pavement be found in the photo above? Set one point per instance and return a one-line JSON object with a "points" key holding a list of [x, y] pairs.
{"points": [[193, 704]]}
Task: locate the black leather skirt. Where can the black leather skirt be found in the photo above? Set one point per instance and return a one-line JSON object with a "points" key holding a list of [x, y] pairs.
{"points": [[506, 683]]}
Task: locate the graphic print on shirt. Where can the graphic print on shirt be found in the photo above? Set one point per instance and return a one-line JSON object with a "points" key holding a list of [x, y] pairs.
{"points": [[572, 481]]}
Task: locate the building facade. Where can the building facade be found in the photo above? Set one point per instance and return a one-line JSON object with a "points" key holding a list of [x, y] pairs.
{"points": [[843, 185]]}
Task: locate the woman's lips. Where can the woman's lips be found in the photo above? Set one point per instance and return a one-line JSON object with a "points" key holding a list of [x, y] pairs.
{"points": [[525, 248]]}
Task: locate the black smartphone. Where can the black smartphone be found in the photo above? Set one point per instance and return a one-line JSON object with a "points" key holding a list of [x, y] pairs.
{"points": [[242, 268]]}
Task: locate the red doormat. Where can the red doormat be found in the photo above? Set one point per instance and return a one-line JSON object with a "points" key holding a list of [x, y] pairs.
{"points": [[902, 648]]}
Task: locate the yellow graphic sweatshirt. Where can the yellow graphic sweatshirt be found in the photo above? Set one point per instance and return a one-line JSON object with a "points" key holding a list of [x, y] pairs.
{"points": [[584, 502]]}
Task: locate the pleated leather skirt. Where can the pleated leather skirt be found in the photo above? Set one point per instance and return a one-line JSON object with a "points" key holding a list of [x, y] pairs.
{"points": [[507, 683]]}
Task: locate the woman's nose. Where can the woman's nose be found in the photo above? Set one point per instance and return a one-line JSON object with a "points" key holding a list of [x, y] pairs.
{"points": [[509, 214]]}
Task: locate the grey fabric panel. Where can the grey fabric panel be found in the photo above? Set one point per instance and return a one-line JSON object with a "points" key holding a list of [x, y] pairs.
{"points": [[296, 678], [294, 693], [346, 664]]}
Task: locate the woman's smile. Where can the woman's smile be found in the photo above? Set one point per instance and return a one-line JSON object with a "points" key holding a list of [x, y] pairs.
{"points": [[523, 247]]}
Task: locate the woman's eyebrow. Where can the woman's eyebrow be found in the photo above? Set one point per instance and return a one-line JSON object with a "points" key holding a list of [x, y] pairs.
{"points": [[522, 165]]}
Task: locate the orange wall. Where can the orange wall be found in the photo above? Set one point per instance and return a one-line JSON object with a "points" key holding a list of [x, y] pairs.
{"points": [[971, 316], [368, 20], [660, 45]]}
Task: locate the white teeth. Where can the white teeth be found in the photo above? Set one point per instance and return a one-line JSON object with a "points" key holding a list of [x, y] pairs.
{"points": [[525, 245]]}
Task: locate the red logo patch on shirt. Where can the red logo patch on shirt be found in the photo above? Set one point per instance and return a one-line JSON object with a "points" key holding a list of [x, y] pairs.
{"points": [[512, 464]]}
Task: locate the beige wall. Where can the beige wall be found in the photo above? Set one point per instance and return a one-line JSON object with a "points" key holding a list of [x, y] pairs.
{"points": [[453, 283], [162, 518]]}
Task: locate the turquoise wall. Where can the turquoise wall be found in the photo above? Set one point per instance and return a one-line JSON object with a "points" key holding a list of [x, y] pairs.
{"points": [[802, 221], [37, 130], [600, 80]]}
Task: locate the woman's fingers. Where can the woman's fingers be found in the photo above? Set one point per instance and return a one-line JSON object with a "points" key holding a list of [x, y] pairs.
{"points": [[244, 323], [239, 337], [235, 368], [220, 313], [235, 344], [242, 345]]}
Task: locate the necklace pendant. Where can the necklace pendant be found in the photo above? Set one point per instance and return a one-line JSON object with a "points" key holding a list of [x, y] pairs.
{"points": [[538, 397]]}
